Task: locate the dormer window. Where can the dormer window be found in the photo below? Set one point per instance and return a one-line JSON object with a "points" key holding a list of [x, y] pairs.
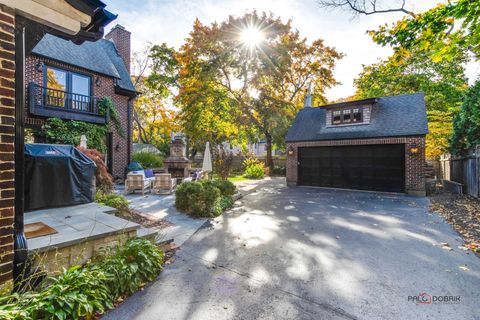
{"points": [[357, 114], [337, 117], [347, 116]]}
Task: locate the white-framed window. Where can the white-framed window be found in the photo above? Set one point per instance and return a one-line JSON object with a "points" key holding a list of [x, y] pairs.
{"points": [[347, 116]]}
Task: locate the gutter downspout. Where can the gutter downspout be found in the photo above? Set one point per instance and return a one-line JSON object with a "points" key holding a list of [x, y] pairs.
{"points": [[20, 242], [129, 128]]}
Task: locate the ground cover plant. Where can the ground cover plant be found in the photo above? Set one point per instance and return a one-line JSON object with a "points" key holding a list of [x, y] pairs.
{"points": [[82, 292]]}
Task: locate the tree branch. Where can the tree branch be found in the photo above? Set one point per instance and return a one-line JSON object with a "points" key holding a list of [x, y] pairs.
{"points": [[361, 6]]}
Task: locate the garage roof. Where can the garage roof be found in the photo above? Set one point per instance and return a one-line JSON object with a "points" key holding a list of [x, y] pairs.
{"points": [[403, 115]]}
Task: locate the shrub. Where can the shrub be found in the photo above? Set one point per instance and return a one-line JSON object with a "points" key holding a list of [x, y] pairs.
{"points": [[103, 179], [227, 188], [148, 159], [256, 171], [279, 170], [204, 199], [116, 201], [81, 292], [223, 163], [226, 203], [251, 161], [254, 168]]}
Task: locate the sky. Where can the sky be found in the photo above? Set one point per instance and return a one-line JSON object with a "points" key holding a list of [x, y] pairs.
{"points": [[170, 21]]}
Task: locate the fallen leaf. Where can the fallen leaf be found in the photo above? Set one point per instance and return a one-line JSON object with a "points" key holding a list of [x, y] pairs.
{"points": [[464, 268]]}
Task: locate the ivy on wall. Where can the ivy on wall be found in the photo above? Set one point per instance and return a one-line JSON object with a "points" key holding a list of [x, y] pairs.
{"points": [[106, 105], [59, 131]]}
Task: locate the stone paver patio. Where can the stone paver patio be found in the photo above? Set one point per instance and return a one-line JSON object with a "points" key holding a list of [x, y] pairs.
{"points": [[163, 207]]}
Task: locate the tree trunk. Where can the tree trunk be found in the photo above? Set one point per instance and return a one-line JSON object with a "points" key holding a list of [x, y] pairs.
{"points": [[269, 152]]}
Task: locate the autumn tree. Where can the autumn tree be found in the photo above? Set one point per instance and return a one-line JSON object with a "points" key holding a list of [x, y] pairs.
{"points": [[442, 82], [154, 115], [445, 32], [247, 77], [430, 51], [466, 126]]}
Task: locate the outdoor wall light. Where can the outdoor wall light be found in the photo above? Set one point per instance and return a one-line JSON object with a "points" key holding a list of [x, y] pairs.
{"points": [[98, 82], [39, 66], [413, 148], [117, 147], [290, 151]]}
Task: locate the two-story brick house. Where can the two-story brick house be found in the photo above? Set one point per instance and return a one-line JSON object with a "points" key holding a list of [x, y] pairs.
{"points": [[22, 23], [66, 81]]}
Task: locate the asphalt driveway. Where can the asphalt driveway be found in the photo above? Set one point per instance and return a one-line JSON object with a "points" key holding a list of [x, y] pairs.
{"points": [[308, 253]]}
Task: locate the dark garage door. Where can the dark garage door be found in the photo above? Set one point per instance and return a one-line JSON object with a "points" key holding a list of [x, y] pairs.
{"points": [[372, 167]]}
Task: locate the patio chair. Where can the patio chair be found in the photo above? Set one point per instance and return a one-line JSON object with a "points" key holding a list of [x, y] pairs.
{"points": [[164, 183], [136, 180], [196, 174]]}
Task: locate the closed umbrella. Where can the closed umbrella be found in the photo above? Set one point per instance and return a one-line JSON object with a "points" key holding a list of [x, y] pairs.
{"points": [[207, 159]]}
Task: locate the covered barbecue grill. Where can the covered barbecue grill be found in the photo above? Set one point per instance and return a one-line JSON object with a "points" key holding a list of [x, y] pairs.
{"points": [[57, 175]]}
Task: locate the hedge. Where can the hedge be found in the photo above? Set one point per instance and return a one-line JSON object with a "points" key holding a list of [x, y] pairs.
{"points": [[208, 198]]}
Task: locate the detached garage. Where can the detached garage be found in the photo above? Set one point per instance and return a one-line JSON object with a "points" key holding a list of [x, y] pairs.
{"points": [[374, 144]]}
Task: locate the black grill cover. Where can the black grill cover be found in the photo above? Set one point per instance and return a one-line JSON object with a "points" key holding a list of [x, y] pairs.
{"points": [[57, 175]]}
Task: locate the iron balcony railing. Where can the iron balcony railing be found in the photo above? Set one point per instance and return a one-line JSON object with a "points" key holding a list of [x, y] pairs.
{"points": [[49, 102]]}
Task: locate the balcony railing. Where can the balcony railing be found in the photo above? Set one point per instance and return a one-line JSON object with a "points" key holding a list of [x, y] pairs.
{"points": [[49, 102]]}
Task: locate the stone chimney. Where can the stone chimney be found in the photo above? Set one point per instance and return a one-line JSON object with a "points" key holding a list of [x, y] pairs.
{"points": [[307, 102], [121, 38]]}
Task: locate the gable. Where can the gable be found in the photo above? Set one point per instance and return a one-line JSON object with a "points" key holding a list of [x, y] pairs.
{"points": [[100, 56]]}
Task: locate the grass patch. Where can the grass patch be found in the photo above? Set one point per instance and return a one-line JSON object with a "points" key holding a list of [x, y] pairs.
{"points": [[237, 178]]}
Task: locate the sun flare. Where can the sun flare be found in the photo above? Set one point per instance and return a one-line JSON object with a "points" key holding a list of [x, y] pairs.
{"points": [[252, 37]]}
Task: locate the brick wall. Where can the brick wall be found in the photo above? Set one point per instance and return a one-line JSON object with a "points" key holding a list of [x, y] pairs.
{"points": [[7, 149], [104, 88], [414, 163]]}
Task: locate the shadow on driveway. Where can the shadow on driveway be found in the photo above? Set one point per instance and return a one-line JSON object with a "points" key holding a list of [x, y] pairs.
{"points": [[308, 253]]}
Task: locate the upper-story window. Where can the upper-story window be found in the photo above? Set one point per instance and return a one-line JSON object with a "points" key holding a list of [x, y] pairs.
{"points": [[64, 87], [347, 116]]}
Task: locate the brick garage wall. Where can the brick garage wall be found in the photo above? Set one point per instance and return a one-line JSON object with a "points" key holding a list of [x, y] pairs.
{"points": [[105, 88], [414, 164], [7, 148]]}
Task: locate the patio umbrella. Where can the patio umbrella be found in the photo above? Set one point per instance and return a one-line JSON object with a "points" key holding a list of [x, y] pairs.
{"points": [[207, 159]]}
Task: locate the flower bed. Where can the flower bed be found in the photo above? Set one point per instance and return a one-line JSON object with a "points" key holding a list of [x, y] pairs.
{"points": [[83, 291]]}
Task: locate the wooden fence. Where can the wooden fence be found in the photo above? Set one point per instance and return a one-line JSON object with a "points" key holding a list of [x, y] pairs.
{"points": [[464, 170]]}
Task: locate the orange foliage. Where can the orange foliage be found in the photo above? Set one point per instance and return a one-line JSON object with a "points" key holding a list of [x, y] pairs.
{"points": [[104, 180]]}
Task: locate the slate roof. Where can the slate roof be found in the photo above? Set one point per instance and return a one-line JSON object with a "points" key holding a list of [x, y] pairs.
{"points": [[100, 56], [403, 115]]}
